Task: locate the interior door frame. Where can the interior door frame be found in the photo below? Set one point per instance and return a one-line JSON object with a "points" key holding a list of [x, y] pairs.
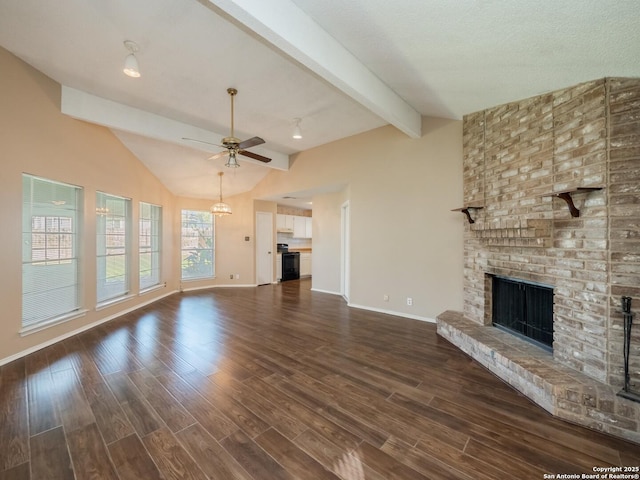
{"points": [[264, 244], [345, 250]]}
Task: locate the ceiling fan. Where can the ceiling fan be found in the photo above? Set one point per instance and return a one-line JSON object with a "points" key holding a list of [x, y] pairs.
{"points": [[234, 145]]}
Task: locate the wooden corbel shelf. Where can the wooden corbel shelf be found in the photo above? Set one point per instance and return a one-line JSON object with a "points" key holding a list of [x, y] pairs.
{"points": [[566, 195], [466, 209]]}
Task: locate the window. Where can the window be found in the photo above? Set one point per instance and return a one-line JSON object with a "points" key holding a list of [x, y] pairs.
{"points": [[51, 239], [149, 244], [112, 247], [51, 213], [197, 244]]}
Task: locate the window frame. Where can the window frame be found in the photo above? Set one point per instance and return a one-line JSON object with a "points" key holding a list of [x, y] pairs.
{"points": [[153, 247], [113, 248], [57, 296]]}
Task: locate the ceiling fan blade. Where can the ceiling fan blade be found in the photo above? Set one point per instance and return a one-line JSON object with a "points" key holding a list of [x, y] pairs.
{"points": [[251, 142], [255, 156], [218, 155], [202, 141]]}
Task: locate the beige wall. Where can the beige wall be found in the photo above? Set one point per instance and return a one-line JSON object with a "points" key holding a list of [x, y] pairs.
{"points": [[37, 139], [233, 255], [405, 241], [327, 241]]}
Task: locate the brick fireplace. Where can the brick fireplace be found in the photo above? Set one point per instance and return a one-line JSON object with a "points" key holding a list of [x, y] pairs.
{"points": [[552, 185]]}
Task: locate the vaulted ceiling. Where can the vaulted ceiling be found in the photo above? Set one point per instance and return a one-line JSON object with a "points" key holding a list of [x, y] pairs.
{"points": [[341, 66]]}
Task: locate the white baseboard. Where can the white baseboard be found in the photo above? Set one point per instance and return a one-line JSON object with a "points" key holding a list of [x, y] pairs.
{"points": [[208, 287], [391, 312], [325, 291], [379, 310]]}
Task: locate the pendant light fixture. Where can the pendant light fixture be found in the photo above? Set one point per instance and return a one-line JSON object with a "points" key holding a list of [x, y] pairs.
{"points": [[297, 133], [220, 209], [131, 67]]}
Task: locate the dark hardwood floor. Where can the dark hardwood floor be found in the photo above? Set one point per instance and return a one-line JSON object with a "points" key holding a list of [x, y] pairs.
{"points": [[276, 382]]}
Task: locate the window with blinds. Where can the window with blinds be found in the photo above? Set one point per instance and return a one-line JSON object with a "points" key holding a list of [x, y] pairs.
{"points": [[51, 213], [113, 227], [197, 244], [150, 232]]}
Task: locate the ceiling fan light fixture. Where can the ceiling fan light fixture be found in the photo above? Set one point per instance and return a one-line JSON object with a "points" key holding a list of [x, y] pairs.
{"points": [[131, 67], [232, 161], [220, 209], [297, 133]]}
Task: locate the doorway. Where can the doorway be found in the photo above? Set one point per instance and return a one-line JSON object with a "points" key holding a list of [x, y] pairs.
{"points": [[264, 248], [345, 251]]}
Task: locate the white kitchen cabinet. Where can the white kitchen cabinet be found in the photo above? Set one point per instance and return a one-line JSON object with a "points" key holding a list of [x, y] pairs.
{"points": [[284, 223], [296, 224], [308, 230], [305, 264], [299, 227], [278, 267]]}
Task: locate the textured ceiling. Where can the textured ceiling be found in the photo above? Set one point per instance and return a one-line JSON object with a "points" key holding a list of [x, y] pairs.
{"points": [[343, 67], [450, 58]]}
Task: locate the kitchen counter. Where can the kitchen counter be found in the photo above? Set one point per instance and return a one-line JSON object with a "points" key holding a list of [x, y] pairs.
{"points": [[300, 249]]}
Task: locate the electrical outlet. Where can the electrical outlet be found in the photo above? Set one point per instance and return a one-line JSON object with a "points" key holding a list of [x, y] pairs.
{"points": [[231, 276], [385, 297], [237, 276], [409, 301]]}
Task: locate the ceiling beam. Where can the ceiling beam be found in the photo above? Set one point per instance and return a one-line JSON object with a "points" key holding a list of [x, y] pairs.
{"points": [[288, 28], [90, 108]]}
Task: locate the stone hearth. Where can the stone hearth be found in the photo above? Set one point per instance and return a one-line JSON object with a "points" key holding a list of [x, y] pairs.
{"points": [[560, 390], [553, 186]]}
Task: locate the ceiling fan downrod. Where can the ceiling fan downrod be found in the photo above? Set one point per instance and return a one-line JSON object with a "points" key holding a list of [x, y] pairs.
{"points": [[231, 139]]}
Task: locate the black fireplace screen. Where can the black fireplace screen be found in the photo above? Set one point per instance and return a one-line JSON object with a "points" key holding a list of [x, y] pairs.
{"points": [[524, 308]]}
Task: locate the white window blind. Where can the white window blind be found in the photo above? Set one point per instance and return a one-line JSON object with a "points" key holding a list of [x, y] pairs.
{"points": [[150, 234], [197, 244], [112, 246], [51, 213]]}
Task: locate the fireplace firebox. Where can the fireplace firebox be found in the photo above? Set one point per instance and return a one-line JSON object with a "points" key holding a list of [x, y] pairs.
{"points": [[523, 308]]}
